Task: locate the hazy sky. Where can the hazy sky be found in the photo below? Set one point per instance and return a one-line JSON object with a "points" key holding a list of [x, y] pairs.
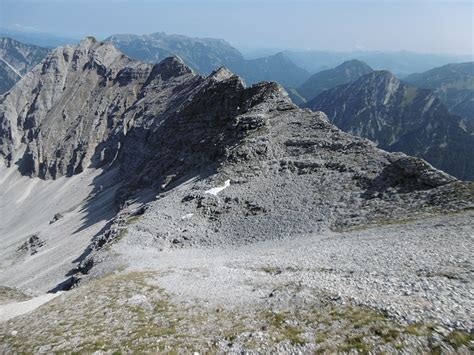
{"points": [[433, 26]]}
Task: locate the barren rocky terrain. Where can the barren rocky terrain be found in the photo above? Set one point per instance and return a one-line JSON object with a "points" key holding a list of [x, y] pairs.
{"points": [[177, 212], [394, 288]]}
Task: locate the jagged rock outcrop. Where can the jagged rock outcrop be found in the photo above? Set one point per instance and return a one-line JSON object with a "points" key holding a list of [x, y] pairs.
{"points": [[403, 118], [187, 160], [54, 120], [290, 170], [31, 245], [86, 99], [16, 59]]}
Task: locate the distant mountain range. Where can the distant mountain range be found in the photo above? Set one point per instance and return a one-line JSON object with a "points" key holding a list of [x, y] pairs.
{"points": [[206, 54], [453, 84], [401, 63], [202, 54], [290, 68], [41, 39], [375, 105], [400, 117], [345, 73], [16, 59]]}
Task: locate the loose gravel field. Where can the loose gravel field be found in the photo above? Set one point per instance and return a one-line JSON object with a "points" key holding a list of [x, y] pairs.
{"points": [[394, 288], [416, 272]]}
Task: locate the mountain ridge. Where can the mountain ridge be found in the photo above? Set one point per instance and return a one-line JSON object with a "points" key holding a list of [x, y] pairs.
{"points": [[398, 62], [400, 117], [344, 73], [16, 59], [129, 104], [453, 84], [126, 163]]}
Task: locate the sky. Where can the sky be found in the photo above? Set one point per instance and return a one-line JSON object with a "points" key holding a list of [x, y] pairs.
{"points": [[426, 26]]}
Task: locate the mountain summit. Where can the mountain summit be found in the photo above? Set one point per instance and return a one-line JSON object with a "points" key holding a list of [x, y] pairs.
{"points": [[54, 119], [400, 117], [345, 73], [90, 106]]}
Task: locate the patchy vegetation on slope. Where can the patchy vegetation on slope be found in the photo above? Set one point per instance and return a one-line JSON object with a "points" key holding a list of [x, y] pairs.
{"points": [[129, 313]]}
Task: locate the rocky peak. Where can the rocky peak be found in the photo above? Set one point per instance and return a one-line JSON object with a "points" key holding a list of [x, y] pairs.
{"points": [[400, 117], [55, 117], [344, 73], [162, 125], [171, 67], [87, 42], [221, 74]]}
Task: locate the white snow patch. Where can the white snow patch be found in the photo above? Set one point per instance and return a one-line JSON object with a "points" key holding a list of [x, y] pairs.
{"points": [[215, 190]]}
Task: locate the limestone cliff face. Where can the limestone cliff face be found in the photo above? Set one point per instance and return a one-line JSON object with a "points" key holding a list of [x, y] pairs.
{"points": [[83, 104], [91, 106], [55, 118], [170, 135]]}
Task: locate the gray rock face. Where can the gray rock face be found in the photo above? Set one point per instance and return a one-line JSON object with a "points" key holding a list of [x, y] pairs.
{"points": [[16, 59], [193, 160], [54, 119], [290, 170], [31, 245], [403, 118]]}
